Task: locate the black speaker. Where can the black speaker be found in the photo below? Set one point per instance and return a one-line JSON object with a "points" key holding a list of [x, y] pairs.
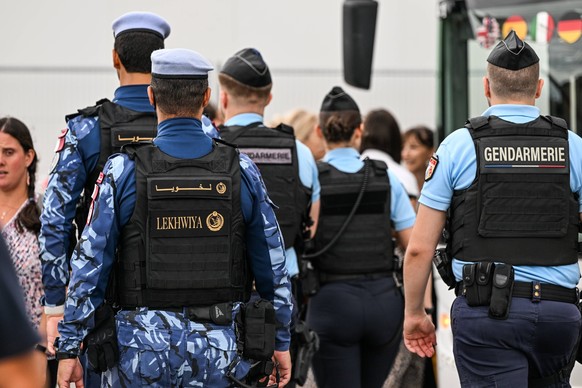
{"points": [[359, 29]]}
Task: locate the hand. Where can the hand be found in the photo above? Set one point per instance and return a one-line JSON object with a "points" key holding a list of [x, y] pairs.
{"points": [[282, 360], [52, 332], [70, 371], [419, 334]]}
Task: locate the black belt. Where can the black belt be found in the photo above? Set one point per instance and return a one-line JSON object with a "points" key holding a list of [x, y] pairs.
{"points": [[220, 313], [333, 277], [537, 291]]}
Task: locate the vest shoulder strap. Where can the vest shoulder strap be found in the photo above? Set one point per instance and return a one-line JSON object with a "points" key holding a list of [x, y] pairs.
{"points": [[476, 123], [132, 149], [557, 121], [89, 111]]}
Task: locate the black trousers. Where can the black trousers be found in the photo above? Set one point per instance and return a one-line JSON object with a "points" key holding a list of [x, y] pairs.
{"points": [[359, 323]]}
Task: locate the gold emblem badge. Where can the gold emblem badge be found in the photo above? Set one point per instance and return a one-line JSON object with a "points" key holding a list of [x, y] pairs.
{"points": [[214, 221], [221, 188]]}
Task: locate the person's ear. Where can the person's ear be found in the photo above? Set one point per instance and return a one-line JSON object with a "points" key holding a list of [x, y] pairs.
{"points": [[223, 100], [206, 98], [151, 96], [486, 87], [539, 88], [116, 60], [269, 99]]}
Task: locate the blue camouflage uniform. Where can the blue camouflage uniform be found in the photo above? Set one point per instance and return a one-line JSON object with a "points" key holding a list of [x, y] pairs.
{"points": [[78, 151], [307, 174], [541, 328], [162, 348]]}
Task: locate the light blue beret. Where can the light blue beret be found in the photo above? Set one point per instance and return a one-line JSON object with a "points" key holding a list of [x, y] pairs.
{"points": [[179, 63], [141, 21]]}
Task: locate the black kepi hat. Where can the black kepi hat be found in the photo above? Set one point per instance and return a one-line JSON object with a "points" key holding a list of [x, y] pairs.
{"points": [[338, 100], [248, 67]]}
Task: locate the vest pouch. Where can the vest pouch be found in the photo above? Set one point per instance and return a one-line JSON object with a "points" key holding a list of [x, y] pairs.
{"points": [[501, 292], [477, 283], [259, 330]]}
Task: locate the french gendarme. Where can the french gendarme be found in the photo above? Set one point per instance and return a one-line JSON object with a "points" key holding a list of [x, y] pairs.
{"points": [[269, 155], [539, 154]]}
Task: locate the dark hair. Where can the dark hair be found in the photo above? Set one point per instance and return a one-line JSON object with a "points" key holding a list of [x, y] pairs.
{"points": [[339, 126], [179, 97], [135, 49], [250, 94], [382, 132], [29, 216], [423, 134], [514, 84]]}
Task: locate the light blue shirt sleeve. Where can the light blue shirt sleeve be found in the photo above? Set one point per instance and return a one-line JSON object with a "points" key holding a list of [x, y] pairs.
{"points": [[308, 170], [401, 211]]}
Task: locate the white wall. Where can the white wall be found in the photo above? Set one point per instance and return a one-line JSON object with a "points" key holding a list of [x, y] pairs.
{"points": [[56, 55]]}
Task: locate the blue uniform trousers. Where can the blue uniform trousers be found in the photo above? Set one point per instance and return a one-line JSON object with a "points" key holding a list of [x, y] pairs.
{"points": [[536, 340], [359, 324]]}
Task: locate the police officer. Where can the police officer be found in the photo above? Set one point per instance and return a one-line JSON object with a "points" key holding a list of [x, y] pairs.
{"points": [[90, 137], [286, 164], [192, 225], [358, 309], [512, 180]]}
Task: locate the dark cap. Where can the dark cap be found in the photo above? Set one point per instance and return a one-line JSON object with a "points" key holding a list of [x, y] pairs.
{"points": [[141, 21], [179, 64], [248, 67], [513, 53], [338, 100]]}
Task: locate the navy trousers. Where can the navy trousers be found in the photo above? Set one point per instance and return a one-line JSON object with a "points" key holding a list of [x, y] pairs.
{"points": [[536, 341], [359, 324]]}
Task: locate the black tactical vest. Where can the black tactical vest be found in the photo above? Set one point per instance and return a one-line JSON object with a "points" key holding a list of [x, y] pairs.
{"points": [[366, 245], [119, 126], [184, 244], [274, 151], [519, 209]]}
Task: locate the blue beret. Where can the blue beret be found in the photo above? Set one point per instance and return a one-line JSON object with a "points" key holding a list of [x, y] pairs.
{"points": [[338, 100], [513, 53], [141, 21], [248, 67], [179, 63]]}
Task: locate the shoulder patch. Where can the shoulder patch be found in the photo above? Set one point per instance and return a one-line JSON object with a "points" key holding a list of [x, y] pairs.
{"points": [[432, 165]]}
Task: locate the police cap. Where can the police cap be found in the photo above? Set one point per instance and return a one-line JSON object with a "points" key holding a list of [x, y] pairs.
{"points": [[179, 63], [248, 67], [338, 100], [141, 21], [513, 53]]}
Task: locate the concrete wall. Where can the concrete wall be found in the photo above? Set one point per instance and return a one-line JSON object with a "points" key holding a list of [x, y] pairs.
{"points": [[56, 56]]}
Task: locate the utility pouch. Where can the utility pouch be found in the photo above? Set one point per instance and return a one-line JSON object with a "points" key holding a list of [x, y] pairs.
{"points": [[501, 291], [101, 343], [258, 337], [477, 279]]}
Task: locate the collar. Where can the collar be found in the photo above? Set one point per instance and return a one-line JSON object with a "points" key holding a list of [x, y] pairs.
{"points": [[134, 97], [513, 113], [183, 137], [341, 153], [244, 119]]}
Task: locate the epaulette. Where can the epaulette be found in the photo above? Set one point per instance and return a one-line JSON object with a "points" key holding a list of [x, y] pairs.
{"points": [[89, 111]]}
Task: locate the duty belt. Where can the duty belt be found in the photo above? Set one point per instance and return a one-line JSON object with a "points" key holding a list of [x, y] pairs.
{"points": [[537, 291], [220, 314], [332, 277]]}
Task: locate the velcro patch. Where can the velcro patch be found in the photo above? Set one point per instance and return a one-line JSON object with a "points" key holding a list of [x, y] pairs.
{"points": [[61, 140], [431, 168], [269, 155]]}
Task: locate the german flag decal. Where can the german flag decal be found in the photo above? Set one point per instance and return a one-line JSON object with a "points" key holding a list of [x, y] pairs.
{"points": [[570, 27], [516, 23]]}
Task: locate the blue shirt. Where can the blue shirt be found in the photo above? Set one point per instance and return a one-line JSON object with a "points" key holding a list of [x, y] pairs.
{"points": [[73, 163], [307, 174], [456, 170], [401, 212], [93, 259]]}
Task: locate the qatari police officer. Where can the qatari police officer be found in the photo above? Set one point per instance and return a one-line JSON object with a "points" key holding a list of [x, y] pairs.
{"points": [[512, 182], [184, 225]]}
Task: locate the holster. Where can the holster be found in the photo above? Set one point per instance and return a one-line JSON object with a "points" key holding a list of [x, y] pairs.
{"points": [[501, 291], [101, 343], [307, 344], [444, 265], [477, 278], [309, 278]]}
